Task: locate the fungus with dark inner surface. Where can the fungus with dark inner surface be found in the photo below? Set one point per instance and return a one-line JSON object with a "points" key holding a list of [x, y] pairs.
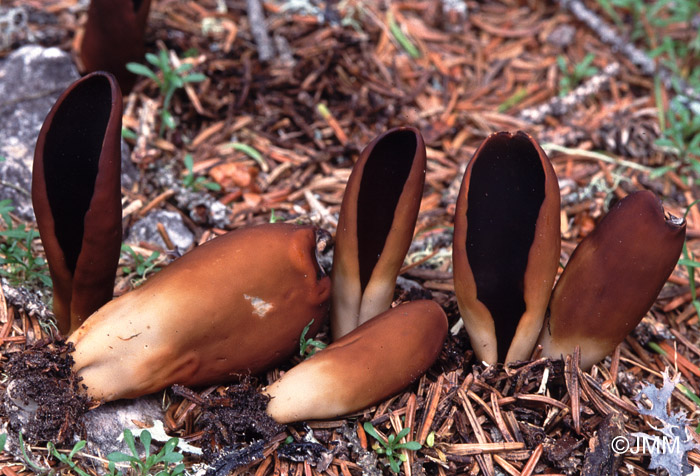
{"points": [[506, 245], [76, 193], [375, 228]]}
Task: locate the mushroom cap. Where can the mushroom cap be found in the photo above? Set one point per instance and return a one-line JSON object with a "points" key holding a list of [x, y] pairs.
{"points": [[366, 366], [76, 194], [612, 279], [506, 245], [375, 228], [234, 305]]}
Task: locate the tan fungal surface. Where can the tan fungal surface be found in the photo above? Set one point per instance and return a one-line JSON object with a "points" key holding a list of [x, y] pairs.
{"points": [[376, 360], [235, 305]]}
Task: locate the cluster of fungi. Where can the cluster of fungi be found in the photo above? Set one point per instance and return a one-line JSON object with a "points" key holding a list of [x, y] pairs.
{"points": [[237, 305]]}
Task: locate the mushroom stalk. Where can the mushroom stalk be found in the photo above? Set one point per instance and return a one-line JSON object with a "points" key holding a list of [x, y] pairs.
{"points": [[114, 36], [612, 279], [366, 366], [375, 227], [506, 245], [235, 305], [76, 193]]}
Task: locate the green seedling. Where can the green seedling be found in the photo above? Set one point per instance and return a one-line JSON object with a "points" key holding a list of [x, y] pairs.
{"points": [[515, 98], [682, 134], [401, 38], [17, 263], [25, 456], [391, 446], [141, 266], [274, 218], [250, 151], [169, 80], [196, 182], [690, 264], [309, 345], [572, 76], [167, 462], [129, 134], [67, 459]]}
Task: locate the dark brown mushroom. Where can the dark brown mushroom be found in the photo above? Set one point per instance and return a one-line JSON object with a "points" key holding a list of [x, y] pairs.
{"points": [[371, 363], [76, 193], [114, 36], [612, 279], [377, 219], [506, 245]]}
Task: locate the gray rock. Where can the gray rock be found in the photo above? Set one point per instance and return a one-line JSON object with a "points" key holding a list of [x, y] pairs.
{"points": [[105, 425], [31, 79], [562, 36], [130, 174], [146, 230]]}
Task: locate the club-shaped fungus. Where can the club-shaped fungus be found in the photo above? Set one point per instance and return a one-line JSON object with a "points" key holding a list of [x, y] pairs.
{"points": [[235, 305], [373, 362], [612, 279]]}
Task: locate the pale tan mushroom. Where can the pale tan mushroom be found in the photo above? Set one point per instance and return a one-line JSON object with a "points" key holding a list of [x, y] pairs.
{"points": [[612, 279], [375, 228], [234, 305], [371, 363], [506, 245]]}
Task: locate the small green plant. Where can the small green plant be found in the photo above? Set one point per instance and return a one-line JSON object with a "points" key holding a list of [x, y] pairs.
{"points": [[682, 133], [274, 218], [25, 456], [391, 446], [195, 182], [309, 345], [690, 264], [141, 265], [167, 461], [172, 79], [67, 459], [572, 76], [129, 134], [3, 440], [17, 263], [401, 38]]}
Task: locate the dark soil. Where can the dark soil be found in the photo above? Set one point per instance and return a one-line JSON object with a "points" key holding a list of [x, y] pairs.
{"points": [[43, 401], [230, 418]]}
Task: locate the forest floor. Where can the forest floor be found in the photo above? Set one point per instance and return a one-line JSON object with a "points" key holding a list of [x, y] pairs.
{"points": [[611, 89]]}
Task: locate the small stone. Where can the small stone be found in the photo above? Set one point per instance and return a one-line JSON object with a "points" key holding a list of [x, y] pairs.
{"points": [[146, 230], [562, 36]]}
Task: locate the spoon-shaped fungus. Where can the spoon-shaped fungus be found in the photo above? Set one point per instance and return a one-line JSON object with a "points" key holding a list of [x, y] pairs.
{"points": [[76, 193], [375, 227], [506, 245], [234, 305], [370, 364], [114, 35], [612, 279]]}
